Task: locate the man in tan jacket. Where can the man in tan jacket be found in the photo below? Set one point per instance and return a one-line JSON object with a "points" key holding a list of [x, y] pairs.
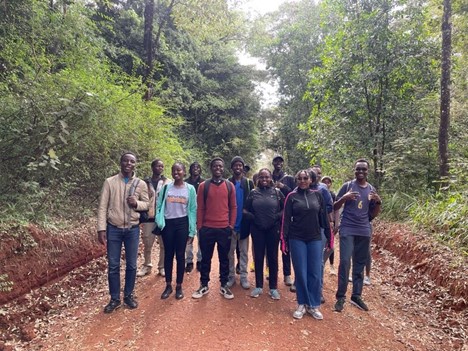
{"points": [[122, 196]]}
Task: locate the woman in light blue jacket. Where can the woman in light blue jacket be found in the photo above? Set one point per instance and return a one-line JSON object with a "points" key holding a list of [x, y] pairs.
{"points": [[176, 217]]}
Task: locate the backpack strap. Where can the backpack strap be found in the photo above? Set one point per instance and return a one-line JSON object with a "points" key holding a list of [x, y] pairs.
{"points": [[133, 187]]}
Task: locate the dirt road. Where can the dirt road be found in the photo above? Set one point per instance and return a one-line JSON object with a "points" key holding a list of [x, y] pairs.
{"points": [[400, 317]]}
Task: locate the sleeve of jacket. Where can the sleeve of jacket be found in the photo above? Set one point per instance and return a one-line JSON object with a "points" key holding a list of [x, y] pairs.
{"points": [[103, 206], [160, 208], [287, 215], [200, 205], [233, 207], [143, 198], [192, 210], [328, 200]]}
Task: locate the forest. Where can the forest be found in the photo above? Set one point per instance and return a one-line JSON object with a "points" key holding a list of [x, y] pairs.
{"points": [[82, 81]]}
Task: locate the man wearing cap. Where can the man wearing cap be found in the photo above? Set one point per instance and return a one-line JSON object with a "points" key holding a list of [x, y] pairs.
{"points": [[285, 183], [241, 230]]}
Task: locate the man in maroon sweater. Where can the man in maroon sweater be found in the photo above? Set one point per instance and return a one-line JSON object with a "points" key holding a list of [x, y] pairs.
{"points": [[216, 217]]}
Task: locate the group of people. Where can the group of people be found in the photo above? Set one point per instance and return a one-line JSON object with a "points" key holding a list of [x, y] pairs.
{"points": [[296, 213]]}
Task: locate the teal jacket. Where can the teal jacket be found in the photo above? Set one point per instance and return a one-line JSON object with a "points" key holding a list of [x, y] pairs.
{"points": [[191, 208]]}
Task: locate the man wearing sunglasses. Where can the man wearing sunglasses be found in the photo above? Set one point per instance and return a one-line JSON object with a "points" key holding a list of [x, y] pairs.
{"points": [[361, 204]]}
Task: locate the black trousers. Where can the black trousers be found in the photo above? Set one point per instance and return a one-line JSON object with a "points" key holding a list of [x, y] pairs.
{"points": [[174, 236], [266, 239], [208, 237]]}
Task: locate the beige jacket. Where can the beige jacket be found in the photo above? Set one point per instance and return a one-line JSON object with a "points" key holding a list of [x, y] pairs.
{"points": [[113, 207]]}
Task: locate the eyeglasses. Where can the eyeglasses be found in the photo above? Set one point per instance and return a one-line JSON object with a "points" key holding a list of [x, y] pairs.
{"points": [[359, 169], [302, 178]]}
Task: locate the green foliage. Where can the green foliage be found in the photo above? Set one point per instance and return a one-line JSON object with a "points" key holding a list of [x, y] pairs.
{"points": [[66, 114]]}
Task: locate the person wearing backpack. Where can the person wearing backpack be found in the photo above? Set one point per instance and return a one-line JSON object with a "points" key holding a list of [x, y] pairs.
{"points": [[263, 208], [240, 237], [361, 204], [216, 217], [194, 179], [285, 183], [118, 217], [155, 184]]}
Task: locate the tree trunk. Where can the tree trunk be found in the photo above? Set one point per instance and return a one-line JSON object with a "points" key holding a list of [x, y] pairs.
{"points": [[445, 93], [148, 45]]}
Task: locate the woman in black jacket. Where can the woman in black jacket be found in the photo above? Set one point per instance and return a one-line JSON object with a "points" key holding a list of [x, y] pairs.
{"points": [[304, 214], [264, 207]]}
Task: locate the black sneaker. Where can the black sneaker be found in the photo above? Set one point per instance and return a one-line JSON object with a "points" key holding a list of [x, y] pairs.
{"points": [[202, 290], [130, 301], [226, 292], [339, 305], [112, 306], [357, 301], [199, 266], [189, 267]]}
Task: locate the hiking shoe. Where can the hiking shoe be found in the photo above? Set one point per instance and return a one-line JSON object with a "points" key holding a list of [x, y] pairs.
{"points": [[287, 280], [299, 312], [274, 293], [367, 280], [245, 283], [315, 313], [332, 270], [339, 305], [189, 267], [167, 292], [162, 272], [145, 270], [130, 301], [292, 288], [112, 306], [357, 301], [256, 292], [226, 292], [179, 294], [231, 282], [202, 290]]}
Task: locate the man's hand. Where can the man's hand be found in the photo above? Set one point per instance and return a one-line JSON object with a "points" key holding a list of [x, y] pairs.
{"points": [[132, 201], [101, 236]]}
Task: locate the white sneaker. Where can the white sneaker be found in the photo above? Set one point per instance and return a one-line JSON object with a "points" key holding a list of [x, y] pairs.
{"points": [[367, 280], [287, 280], [314, 312], [299, 312], [162, 272], [145, 270]]}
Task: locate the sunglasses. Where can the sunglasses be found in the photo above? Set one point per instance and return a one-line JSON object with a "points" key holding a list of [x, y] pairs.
{"points": [[302, 178], [361, 169]]}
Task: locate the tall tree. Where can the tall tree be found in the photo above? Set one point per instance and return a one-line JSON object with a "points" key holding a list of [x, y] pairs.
{"points": [[445, 91]]}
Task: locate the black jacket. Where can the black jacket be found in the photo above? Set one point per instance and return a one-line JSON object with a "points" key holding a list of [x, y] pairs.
{"points": [[304, 214], [264, 207]]}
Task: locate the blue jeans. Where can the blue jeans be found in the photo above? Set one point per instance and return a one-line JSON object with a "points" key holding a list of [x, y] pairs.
{"points": [[130, 238], [358, 248], [307, 261]]}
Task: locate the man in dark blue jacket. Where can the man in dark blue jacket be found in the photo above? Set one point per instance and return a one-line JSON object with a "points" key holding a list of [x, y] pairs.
{"points": [[241, 230]]}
